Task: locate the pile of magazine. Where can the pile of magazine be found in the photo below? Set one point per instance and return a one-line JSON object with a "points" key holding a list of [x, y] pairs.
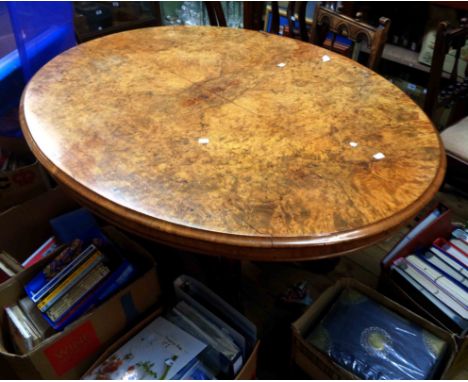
{"points": [[201, 337], [438, 274], [85, 269]]}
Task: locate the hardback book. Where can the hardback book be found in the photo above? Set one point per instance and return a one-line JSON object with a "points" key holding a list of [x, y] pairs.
{"points": [[461, 244], [159, 351], [461, 235], [450, 260], [116, 279], [456, 292], [71, 297], [452, 250], [79, 224], [57, 270], [43, 251], [428, 301], [443, 265], [439, 292], [80, 271]]}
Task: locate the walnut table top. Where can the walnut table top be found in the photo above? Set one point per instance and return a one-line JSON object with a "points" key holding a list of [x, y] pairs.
{"points": [[233, 142]]}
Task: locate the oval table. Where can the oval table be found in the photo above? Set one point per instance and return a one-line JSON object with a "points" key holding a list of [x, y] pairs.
{"points": [[233, 142]]}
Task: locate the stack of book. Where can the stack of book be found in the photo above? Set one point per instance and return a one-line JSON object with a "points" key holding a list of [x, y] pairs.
{"points": [[440, 274], [201, 337], [82, 274]]}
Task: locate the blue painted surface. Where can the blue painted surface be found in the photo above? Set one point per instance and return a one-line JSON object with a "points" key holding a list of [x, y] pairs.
{"points": [[31, 34]]}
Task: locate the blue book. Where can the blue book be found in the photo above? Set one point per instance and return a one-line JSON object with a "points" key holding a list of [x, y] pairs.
{"points": [[56, 271], [79, 224], [119, 278]]}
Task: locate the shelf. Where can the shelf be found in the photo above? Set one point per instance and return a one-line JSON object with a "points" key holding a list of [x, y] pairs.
{"points": [[404, 56]]}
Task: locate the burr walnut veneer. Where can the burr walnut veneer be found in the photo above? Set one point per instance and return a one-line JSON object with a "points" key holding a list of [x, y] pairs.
{"points": [[233, 142]]}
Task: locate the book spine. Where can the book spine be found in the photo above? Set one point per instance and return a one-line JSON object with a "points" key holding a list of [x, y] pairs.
{"points": [[447, 247], [432, 288], [68, 283], [462, 245], [452, 319], [452, 289], [74, 295], [450, 260], [447, 269], [64, 273], [118, 278], [45, 249]]}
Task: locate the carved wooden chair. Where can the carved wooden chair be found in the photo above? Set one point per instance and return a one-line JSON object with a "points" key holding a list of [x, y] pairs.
{"points": [[452, 99], [215, 13], [290, 30], [327, 20]]}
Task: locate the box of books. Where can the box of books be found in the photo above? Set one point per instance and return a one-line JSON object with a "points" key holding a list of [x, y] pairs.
{"points": [[21, 175], [186, 342], [353, 332], [26, 234], [427, 271], [60, 314]]}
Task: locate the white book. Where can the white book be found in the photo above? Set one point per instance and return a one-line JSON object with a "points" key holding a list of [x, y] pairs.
{"points": [[461, 235], [444, 267], [460, 244], [451, 250], [159, 351], [450, 261], [442, 281], [432, 288]]}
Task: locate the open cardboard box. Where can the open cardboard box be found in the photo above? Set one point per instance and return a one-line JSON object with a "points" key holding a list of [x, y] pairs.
{"points": [[25, 227], [23, 183], [67, 354], [248, 371], [319, 365]]}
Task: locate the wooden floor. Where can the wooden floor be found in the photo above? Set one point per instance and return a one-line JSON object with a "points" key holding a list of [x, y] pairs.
{"points": [[263, 283]]}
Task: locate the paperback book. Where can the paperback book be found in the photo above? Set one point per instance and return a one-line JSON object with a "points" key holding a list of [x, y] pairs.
{"points": [[159, 351]]}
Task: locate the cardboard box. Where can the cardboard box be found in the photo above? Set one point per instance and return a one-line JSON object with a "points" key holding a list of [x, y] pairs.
{"points": [[319, 365], [248, 371], [25, 227], [23, 183], [69, 353]]}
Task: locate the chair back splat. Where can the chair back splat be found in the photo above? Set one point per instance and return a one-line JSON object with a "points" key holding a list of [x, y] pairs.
{"points": [[327, 20], [454, 95]]}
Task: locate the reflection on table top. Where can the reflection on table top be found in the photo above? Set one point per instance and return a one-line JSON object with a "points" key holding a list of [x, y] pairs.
{"points": [[233, 142]]}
